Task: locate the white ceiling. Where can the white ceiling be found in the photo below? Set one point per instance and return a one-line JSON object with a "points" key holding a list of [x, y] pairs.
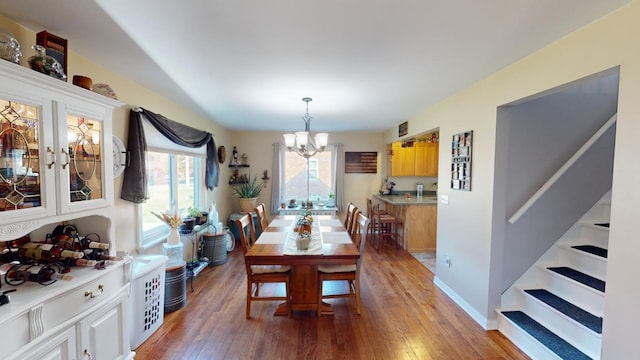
{"points": [[367, 64]]}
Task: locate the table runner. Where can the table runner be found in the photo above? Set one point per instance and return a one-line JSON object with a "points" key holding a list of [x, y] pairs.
{"points": [[315, 248]]}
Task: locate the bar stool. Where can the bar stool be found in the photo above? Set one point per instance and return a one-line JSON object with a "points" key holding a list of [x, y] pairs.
{"points": [[385, 227]]}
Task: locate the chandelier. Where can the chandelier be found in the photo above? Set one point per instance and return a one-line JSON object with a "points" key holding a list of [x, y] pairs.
{"points": [[300, 142]]}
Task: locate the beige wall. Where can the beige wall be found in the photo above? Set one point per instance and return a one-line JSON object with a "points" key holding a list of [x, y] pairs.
{"points": [[464, 225], [131, 94], [259, 147]]}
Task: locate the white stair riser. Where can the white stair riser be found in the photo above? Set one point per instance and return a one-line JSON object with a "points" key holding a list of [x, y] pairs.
{"points": [[590, 264], [580, 295], [583, 232], [574, 333], [528, 344], [594, 235]]}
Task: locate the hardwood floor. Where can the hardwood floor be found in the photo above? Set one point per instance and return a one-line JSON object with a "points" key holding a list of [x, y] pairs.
{"points": [[404, 316]]}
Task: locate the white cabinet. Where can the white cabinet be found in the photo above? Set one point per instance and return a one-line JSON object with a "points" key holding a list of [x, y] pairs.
{"points": [[56, 151], [103, 334], [56, 164], [84, 318], [60, 347]]}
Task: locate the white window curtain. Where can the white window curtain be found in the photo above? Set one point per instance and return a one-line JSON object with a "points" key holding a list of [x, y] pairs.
{"points": [[338, 173], [277, 176]]}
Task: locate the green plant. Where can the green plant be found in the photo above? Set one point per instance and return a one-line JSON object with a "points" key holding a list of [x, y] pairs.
{"points": [[194, 212], [250, 189]]}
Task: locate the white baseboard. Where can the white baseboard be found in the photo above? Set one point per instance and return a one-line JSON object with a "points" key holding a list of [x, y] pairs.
{"points": [[475, 315]]}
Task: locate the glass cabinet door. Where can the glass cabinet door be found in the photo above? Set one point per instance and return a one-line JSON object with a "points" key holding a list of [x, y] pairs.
{"points": [[20, 183], [85, 159]]}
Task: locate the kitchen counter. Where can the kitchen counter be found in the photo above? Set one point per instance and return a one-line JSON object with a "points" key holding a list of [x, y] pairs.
{"points": [[429, 198], [417, 218]]}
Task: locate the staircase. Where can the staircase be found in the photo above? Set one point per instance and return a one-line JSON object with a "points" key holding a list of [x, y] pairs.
{"points": [[554, 311]]}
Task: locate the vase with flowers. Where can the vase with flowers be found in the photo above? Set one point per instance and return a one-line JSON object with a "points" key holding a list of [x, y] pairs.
{"points": [[174, 220]]}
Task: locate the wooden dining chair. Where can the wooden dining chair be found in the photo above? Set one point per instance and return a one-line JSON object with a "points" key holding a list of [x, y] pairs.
{"points": [[349, 273], [261, 274], [354, 227], [349, 219], [261, 215]]}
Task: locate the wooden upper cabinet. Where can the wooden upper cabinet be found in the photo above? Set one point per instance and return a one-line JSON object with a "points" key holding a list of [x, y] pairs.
{"points": [[426, 159], [402, 160], [421, 159]]}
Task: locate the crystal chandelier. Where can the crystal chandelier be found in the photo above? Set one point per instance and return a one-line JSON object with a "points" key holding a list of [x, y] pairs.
{"points": [[300, 142]]}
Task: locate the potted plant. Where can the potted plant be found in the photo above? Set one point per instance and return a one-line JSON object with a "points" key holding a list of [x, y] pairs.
{"points": [[196, 214], [248, 193]]}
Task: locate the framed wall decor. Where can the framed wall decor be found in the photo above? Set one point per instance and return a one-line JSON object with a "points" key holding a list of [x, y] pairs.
{"points": [[403, 129], [364, 162], [461, 146], [56, 47]]}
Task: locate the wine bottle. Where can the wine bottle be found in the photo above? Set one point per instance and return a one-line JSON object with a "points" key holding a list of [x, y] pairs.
{"points": [[92, 241], [42, 274], [82, 262], [98, 254], [47, 252], [89, 244], [7, 256], [69, 244]]}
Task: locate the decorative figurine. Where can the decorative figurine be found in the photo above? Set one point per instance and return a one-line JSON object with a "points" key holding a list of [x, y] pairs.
{"points": [[9, 48], [235, 155]]}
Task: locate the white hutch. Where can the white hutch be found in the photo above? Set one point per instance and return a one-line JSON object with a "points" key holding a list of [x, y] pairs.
{"points": [[56, 165]]}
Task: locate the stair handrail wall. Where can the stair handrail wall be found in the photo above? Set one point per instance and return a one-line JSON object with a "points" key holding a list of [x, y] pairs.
{"points": [[563, 169]]}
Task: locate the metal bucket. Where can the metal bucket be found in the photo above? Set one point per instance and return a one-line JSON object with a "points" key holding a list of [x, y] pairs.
{"points": [[215, 248], [175, 288]]}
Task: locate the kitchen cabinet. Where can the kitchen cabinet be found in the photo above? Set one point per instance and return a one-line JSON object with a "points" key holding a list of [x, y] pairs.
{"points": [[78, 319], [56, 151], [416, 158], [402, 160], [426, 162]]}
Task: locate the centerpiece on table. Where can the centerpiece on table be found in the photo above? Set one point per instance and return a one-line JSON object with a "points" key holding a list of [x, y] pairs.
{"points": [[303, 229]]}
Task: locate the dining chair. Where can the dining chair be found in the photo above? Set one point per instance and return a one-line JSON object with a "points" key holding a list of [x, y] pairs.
{"points": [[261, 274], [349, 273], [354, 227], [261, 215], [349, 218]]}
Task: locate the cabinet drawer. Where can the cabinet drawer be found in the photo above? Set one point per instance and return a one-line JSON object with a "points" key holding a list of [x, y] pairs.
{"points": [[15, 334], [77, 300]]}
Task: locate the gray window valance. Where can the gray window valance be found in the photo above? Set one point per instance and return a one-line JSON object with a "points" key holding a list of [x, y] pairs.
{"points": [[134, 186]]}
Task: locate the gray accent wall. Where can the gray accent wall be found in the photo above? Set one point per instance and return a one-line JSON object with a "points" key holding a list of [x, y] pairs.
{"points": [[534, 138]]}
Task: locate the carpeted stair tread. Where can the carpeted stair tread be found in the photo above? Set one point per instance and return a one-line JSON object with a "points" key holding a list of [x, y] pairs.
{"points": [[579, 277], [545, 336], [576, 313], [595, 250], [602, 224]]}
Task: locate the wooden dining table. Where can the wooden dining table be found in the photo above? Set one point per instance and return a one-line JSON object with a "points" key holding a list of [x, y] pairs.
{"points": [[274, 247]]}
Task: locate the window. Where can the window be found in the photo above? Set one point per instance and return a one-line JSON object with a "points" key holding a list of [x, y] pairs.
{"points": [[313, 169], [172, 184], [295, 176]]}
